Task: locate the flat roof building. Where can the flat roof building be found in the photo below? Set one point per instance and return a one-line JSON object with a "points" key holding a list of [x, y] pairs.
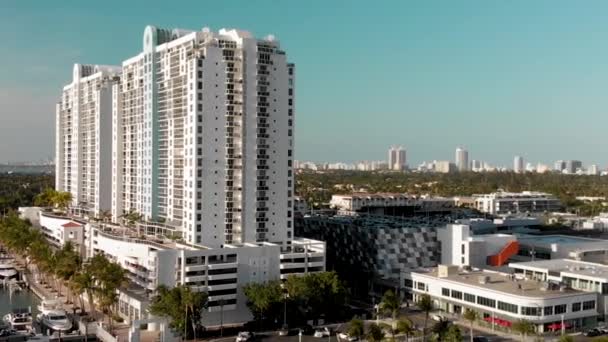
{"points": [[502, 298]]}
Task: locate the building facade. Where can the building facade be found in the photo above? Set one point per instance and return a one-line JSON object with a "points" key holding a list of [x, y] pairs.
{"points": [[518, 164], [502, 202], [190, 145], [503, 299], [204, 134], [462, 159], [83, 147], [397, 158]]}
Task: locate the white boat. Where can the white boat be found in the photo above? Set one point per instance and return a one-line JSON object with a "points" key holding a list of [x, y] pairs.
{"points": [[48, 305], [7, 271], [19, 319], [56, 320]]}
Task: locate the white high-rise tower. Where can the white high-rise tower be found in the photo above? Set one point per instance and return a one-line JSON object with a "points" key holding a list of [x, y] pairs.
{"points": [[462, 159], [397, 158], [83, 150], [518, 164]]}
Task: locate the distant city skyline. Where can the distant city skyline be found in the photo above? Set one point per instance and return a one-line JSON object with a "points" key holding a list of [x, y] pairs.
{"points": [[495, 77]]}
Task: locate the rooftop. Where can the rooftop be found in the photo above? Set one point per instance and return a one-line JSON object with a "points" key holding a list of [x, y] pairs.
{"points": [[500, 282], [557, 239], [381, 221], [580, 268]]}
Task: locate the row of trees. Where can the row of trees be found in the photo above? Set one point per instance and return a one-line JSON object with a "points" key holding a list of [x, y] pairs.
{"points": [[318, 187], [53, 198], [98, 278], [17, 190], [311, 296]]}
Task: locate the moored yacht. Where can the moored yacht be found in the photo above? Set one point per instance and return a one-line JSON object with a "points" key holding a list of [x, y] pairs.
{"points": [[19, 319], [7, 271], [56, 320]]}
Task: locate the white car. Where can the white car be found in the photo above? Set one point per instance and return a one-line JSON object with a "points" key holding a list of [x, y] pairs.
{"points": [[345, 337], [437, 318], [322, 332], [244, 336]]}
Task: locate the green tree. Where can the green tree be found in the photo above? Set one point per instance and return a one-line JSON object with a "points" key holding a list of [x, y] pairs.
{"points": [[390, 304], [183, 306], [317, 294], [405, 326], [356, 328], [425, 303], [470, 316], [261, 297], [375, 333], [440, 329], [523, 327], [453, 334]]}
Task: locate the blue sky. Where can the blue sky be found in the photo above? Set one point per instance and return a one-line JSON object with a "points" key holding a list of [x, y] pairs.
{"points": [[499, 77]]}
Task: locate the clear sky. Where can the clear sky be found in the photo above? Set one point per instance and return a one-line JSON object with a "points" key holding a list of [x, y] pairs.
{"points": [[499, 77]]}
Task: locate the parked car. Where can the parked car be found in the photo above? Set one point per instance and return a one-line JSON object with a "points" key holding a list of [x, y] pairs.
{"points": [[437, 318], [346, 337], [244, 336], [593, 333], [307, 330], [322, 332]]}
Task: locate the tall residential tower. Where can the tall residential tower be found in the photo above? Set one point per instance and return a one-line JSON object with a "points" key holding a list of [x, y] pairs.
{"points": [[84, 138], [397, 159], [462, 159]]}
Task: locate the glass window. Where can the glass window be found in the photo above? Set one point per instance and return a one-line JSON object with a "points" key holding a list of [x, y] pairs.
{"points": [[548, 311], [421, 286], [456, 294], [486, 301], [445, 292], [560, 309], [529, 311], [576, 307], [408, 283], [589, 305], [469, 297], [507, 307]]}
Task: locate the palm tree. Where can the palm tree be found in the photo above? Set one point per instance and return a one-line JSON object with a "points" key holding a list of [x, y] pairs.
{"points": [[390, 304], [82, 283], [375, 334], [471, 317], [194, 302], [405, 326], [523, 327], [355, 328], [426, 305], [62, 200]]}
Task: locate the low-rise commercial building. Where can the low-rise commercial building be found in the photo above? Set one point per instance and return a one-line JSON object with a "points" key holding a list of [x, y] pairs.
{"points": [[502, 298], [396, 204], [503, 202]]}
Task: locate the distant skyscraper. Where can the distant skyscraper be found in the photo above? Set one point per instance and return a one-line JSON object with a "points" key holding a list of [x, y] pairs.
{"points": [[476, 165], [397, 158], [573, 165], [518, 164], [592, 170], [559, 166], [462, 159]]}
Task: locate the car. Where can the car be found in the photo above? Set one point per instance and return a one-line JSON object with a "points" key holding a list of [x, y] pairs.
{"points": [[437, 318], [322, 332], [593, 333], [346, 337], [307, 330], [244, 336]]}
